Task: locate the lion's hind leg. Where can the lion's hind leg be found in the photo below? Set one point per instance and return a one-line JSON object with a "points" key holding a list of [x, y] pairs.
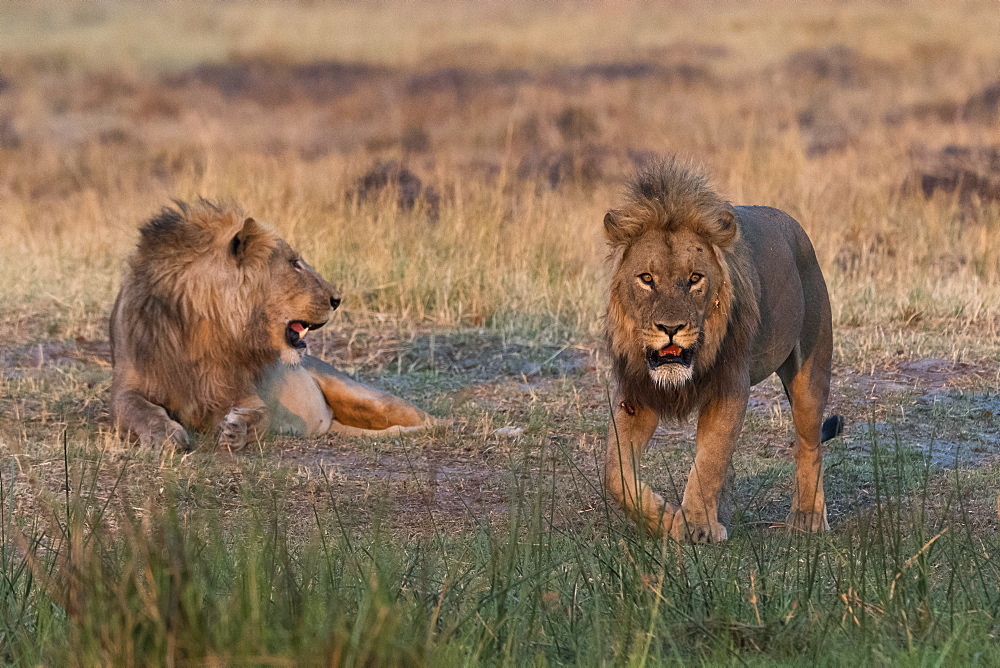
{"points": [[808, 387], [360, 409]]}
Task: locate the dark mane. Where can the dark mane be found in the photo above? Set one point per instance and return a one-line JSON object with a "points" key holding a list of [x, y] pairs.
{"points": [[169, 300], [169, 222], [669, 197]]}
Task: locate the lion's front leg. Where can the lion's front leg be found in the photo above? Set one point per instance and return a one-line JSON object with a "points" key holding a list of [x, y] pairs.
{"points": [[135, 413], [245, 422], [719, 425], [628, 435]]}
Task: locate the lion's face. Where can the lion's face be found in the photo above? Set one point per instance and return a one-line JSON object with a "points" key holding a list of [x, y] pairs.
{"points": [[667, 284], [299, 300]]}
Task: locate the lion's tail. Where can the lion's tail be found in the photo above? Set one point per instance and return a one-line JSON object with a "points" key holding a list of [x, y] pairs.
{"points": [[833, 427]]}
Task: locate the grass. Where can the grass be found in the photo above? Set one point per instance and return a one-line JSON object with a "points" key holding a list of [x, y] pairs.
{"points": [[95, 580], [483, 302]]}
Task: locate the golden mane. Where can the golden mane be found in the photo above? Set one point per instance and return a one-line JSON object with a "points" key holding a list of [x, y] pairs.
{"points": [[668, 197]]}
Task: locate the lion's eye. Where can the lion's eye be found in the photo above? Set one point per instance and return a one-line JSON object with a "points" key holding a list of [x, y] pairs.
{"points": [[296, 264], [646, 278], [695, 278]]}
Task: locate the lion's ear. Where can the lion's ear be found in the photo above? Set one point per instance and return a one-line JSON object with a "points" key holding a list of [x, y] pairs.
{"points": [[238, 244], [613, 227], [728, 218], [621, 228], [727, 231]]}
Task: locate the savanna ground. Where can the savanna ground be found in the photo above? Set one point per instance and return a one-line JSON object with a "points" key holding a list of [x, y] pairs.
{"points": [[448, 164]]}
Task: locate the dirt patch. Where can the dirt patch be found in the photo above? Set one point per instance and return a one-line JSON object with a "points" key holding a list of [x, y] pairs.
{"points": [[933, 411], [28, 360], [410, 480], [478, 357], [938, 373], [921, 376]]}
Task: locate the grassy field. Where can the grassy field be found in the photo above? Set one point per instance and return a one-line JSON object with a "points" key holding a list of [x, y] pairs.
{"points": [[449, 164]]}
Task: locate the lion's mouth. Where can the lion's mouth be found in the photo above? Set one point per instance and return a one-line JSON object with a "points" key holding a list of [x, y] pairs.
{"points": [[296, 330], [669, 354]]}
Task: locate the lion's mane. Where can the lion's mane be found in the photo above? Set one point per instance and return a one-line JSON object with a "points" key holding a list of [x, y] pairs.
{"points": [[669, 197], [195, 332]]}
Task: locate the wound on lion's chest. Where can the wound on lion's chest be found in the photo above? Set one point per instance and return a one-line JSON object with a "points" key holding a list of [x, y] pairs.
{"points": [[627, 407]]}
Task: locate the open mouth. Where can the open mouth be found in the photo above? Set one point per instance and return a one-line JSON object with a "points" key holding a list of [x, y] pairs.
{"points": [[670, 354], [296, 330]]}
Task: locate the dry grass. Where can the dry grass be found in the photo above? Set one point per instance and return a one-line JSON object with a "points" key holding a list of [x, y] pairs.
{"points": [[100, 136]]}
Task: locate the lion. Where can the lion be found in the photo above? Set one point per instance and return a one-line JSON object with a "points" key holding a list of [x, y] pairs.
{"points": [[706, 300], [208, 333]]}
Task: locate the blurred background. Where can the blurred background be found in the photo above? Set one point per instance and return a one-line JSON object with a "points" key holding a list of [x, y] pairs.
{"points": [[449, 162]]}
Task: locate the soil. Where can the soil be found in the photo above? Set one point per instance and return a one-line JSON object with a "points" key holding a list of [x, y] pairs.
{"points": [[527, 420]]}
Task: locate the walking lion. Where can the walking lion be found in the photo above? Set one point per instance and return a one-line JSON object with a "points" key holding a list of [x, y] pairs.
{"points": [[706, 300]]}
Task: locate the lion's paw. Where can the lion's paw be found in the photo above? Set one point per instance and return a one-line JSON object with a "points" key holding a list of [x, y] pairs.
{"points": [[807, 520], [698, 533], [658, 523], [232, 432], [166, 437]]}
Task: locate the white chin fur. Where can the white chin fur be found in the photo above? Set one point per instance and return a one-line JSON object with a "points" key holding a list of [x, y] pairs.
{"points": [[291, 356], [670, 375]]}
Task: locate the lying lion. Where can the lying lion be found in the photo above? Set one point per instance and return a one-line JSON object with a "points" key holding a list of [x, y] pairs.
{"points": [[208, 333], [707, 300]]}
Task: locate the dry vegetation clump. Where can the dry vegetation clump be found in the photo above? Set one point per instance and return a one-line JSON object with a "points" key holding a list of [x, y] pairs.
{"points": [[407, 187], [971, 173]]}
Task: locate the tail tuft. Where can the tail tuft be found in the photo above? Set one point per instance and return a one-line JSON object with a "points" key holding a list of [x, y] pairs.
{"points": [[833, 427]]}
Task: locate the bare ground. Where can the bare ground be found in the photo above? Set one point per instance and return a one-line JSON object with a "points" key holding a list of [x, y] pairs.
{"points": [[927, 412]]}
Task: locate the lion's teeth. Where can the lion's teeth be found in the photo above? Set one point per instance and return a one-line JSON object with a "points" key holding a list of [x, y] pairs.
{"points": [[302, 334]]}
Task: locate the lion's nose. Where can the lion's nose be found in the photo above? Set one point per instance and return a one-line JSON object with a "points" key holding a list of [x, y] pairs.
{"points": [[334, 302], [670, 330]]}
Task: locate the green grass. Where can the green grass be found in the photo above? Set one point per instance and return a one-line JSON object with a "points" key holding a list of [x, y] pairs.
{"points": [[105, 579]]}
